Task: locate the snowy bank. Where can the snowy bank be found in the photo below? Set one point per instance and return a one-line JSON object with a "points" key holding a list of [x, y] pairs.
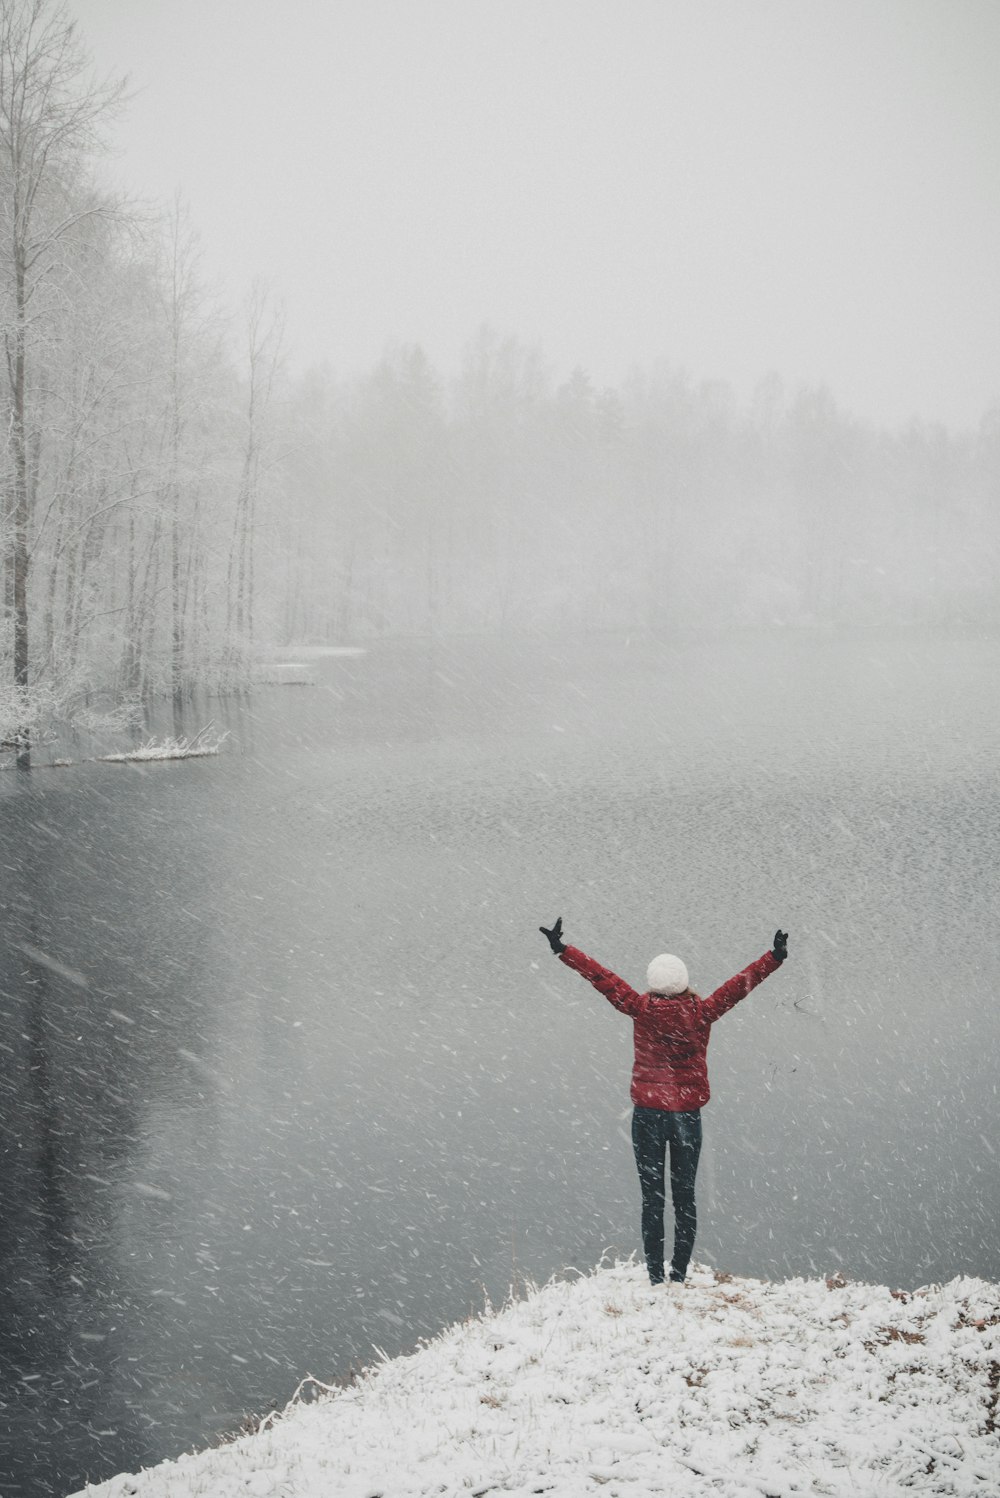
{"points": [[731, 1387]]}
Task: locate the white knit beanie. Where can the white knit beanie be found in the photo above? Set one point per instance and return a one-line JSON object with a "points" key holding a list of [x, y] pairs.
{"points": [[667, 975]]}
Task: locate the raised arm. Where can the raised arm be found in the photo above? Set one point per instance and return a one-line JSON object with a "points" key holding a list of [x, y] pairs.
{"points": [[725, 998], [615, 989]]}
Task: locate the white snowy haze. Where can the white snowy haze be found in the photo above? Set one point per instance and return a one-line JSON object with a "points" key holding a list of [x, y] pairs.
{"points": [[550, 449], [735, 186]]}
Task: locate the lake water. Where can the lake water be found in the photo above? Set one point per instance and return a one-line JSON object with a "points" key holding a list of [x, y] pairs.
{"points": [[290, 1075]]}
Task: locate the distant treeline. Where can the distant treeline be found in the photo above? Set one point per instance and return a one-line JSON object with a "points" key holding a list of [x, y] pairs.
{"points": [[170, 504], [503, 500]]}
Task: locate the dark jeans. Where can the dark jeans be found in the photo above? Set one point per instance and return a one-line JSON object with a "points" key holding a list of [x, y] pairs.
{"points": [[654, 1131]]}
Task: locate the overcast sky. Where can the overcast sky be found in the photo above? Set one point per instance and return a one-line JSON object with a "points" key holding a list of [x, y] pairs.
{"points": [[737, 186]]}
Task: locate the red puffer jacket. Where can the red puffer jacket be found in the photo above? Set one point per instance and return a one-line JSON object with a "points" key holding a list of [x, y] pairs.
{"points": [[671, 1034]]}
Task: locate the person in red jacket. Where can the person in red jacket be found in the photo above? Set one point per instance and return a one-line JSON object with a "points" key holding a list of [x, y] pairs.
{"points": [[669, 1080]]}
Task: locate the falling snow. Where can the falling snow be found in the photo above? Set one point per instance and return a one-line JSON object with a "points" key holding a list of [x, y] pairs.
{"points": [[290, 1074]]}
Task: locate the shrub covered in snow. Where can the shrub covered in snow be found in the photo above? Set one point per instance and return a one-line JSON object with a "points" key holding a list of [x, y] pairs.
{"points": [[205, 742]]}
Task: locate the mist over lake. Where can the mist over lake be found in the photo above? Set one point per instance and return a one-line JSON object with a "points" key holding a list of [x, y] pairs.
{"points": [[292, 1076]]}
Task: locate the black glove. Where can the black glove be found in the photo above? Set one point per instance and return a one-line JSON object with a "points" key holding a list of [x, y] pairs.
{"points": [[554, 936], [780, 949]]}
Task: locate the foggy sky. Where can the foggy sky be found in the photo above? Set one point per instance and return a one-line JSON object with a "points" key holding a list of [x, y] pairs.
{"points": [[736, 186]]}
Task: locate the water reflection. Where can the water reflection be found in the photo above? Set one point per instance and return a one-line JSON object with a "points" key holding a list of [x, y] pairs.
{"points": [[291, 1074]]}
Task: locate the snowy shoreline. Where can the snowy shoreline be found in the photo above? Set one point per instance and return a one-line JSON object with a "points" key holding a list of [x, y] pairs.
{"points": [[734, 1387]]}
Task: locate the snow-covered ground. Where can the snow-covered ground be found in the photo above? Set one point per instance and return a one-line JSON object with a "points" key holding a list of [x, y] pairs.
{"points": [[736, 1388]]}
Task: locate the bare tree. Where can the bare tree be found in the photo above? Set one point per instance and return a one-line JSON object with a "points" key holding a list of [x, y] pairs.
{"points": [[263, 353], [51, 111]]}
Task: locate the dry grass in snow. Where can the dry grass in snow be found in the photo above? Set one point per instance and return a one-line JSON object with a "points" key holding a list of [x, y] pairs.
{"points": [[733, 1388]]}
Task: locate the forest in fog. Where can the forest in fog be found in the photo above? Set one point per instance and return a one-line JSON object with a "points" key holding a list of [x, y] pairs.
{"points": [[176, 499], [502, 499]]}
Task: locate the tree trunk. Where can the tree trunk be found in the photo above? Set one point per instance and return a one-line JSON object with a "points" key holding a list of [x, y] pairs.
{"points": [[20, 554]]}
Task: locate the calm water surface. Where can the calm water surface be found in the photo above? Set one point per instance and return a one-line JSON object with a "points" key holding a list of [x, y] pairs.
{"points": [[289, 1074]]}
